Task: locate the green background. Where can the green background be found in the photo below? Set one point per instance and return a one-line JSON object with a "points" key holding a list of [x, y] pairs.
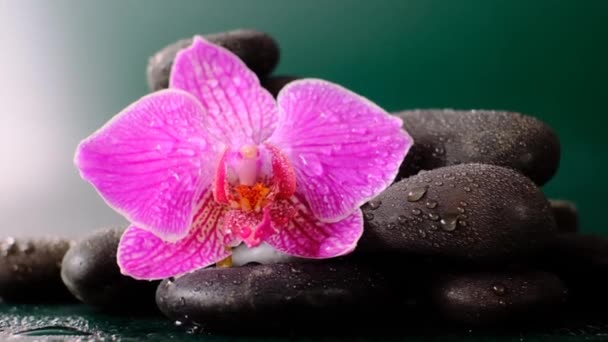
{"points": [[543, 58]]}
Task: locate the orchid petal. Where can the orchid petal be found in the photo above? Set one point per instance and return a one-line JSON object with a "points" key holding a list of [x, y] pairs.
{"points": [[151, 162], [239, 110], [303, 235], [142, 255], [345, 150]]}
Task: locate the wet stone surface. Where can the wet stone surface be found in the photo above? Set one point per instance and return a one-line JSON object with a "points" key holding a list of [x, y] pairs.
{"points": [[449, 137], [566, 216], [581, 261], [499, 298], [303, 296], [90, 271], [30, 270], [256, 49], [473, 212]]}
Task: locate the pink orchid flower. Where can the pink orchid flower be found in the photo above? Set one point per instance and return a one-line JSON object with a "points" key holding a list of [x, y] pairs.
{"points": [[214, 161]]}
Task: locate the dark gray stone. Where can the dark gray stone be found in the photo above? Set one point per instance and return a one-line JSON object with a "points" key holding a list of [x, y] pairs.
{"points": [[499, 298], [307, 296], [444, 137], [90, 272], [473, 212], [274, 84], [30, 270], [256, 49], [566, 216], [582, 262]]}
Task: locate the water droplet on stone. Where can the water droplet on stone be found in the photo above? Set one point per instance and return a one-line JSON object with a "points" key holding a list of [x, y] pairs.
{"points": [[439, 183], [8, 246], [422, 233], [374, 204], [449, 222], [499, 289], [402, 219], [416, 212], [27, 248], [434, 227], [463, 204], [467, 189], [53, 330], [416, 193], [460, 210], [431, 204], [433, 217], [369, 216], [463, 223], [178, 323]]}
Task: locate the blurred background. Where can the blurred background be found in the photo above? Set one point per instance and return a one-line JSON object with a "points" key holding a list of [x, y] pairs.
{"points": [[69, 66]]}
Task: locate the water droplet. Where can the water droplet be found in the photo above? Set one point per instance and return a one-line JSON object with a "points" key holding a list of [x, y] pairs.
{"points": [[463, 204], [428, 180], [467, 189], [460, 210], [416, 193], [434, 227], [502, 302], [178, 323], [374, 204], [312, 163], [475, 185], [499, 289], [439, 183], [53, 330], [433, 217], [449, 222], [368, 216], [332, 269], [26, 248], [8, 246], [402, 219], [422, 233], [439, 150], [431, 204], [391, 226], [416, 212], [463, 223]]}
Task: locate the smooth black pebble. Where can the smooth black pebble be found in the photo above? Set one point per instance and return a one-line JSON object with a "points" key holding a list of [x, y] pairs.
{"points": [[582, 262], [274, 84], [474, 212], [30, 270], [491, 299], [90, 272], [325, 295], [566, 216], [258, 50], [445, 137]]}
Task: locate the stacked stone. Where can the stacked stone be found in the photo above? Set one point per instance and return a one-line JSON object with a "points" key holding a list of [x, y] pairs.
{"points": [[464, 236]]}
